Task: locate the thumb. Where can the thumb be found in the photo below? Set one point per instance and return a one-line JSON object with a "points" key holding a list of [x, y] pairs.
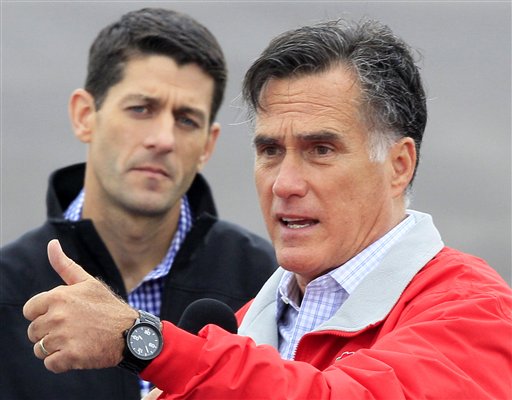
{"points": [[68, 270]]}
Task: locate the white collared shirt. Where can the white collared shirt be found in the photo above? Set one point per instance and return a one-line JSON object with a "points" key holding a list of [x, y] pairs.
{"points": [[325, 295]]}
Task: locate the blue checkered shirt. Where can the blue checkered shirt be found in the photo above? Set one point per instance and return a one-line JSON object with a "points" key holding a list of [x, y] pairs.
{"points": [[147, 295], [325, 294]]}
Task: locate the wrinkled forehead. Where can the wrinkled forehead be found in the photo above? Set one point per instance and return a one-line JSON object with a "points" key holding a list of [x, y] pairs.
{"points": [[322, 102], [341, 70]]}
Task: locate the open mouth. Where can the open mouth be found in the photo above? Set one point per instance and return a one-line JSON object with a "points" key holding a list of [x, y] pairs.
{"points": [[298, 223]]}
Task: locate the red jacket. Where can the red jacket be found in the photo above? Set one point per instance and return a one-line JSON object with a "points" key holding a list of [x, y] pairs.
{"points": [[448, 335]]}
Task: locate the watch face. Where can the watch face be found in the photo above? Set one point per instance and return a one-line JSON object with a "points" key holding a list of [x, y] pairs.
{"points": [[145, 341]]}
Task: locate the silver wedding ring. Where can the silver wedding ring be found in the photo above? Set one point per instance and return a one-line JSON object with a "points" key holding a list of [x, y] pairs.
{"points": [[43, 350]]}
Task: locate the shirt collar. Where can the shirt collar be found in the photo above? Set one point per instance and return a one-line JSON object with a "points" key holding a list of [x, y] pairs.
{"points": [[74, 210], [74, 213], [349, 275]]}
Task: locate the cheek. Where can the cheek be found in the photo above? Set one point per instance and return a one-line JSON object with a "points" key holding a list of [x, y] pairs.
{"points": [[260, 181], [110, 138], [342, 199], [263, 185], [102, 149], [195, 147]]}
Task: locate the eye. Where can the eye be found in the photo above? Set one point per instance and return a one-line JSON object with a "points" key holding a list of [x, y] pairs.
{"points": [[139, 110], [268, 151], [321, 153], [322, 150], [187, 122]]}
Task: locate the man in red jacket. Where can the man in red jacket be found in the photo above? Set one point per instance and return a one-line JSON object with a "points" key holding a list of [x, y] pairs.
{"points": [[368, 302]]}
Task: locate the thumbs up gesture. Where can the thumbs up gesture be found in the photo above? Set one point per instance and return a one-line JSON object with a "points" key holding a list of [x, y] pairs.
{"points": [[78, 325]]}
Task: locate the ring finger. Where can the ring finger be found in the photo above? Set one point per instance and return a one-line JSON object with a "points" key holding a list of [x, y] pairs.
{"points": [[41, 350]]}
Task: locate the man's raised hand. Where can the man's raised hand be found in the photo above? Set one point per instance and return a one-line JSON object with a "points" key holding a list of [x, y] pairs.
{"points": [[79, 325]]}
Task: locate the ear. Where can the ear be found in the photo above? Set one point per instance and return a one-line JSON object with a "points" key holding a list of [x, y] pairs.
{"points": [[403, 164], [209, 146], [82, 113]]}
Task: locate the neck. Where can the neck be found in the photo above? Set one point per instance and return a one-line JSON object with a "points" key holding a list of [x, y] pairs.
{"points": [[136, 243]]}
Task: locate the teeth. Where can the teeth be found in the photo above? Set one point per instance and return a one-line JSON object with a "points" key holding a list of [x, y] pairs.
{"points": [[297, 226], [290, 222]]}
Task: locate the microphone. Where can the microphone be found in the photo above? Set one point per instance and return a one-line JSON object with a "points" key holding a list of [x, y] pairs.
{"points": [[206, 311]]}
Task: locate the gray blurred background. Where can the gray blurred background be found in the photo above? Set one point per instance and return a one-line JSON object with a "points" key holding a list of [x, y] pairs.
{"points": [[464, 179]]}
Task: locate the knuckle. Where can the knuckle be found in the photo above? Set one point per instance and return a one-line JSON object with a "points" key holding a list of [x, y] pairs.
{"points": [[30, 332], [50, 364], [57, 294], [36, 352], [55, 364], [34, 331]]}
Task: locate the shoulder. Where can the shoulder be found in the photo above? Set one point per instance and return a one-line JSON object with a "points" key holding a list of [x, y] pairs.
{"points": [[29, 245], [461, 268], [453, 279], [223, 246], [234, 239], [236, 232]]}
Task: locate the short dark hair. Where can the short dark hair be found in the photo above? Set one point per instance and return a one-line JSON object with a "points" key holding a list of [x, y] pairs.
{"points": [[393, 98], [154, 31]]}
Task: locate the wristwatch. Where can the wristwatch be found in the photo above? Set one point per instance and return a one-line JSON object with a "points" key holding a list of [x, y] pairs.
{"points": [[143, 342]]}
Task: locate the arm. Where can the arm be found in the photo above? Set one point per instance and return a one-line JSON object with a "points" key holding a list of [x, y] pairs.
{"points": [[439, 345], [443, 345]]}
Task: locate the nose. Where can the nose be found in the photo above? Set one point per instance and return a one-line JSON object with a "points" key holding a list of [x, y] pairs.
{"points": [[161, 137], [290, 180]]}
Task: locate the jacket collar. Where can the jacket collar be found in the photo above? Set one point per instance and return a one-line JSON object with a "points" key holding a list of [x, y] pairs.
{"points": [[371, 301]]}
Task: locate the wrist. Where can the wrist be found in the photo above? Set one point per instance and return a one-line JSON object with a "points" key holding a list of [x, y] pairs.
{"points": [[142, 342], [123, 329]]}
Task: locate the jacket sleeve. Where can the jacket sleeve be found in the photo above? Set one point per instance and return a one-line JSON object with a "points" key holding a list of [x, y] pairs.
{"points": [[442, 347], [220, 365]]}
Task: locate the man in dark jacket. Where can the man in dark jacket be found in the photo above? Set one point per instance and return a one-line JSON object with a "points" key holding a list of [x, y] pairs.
{"points": [[138, 215]]}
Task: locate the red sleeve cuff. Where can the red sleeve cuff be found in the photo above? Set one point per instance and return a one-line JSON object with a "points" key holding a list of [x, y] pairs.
{"points": [[177, 362]]}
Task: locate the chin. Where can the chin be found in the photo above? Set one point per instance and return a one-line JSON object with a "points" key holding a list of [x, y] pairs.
{"points": [[148, 209], [295, 261]]}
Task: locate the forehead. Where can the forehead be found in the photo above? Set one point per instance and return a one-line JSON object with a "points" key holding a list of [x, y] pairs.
{"points": [[158, 76], [326, 101]]}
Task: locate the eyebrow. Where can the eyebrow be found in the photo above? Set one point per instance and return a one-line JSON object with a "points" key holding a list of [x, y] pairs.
{"points": [[263, 140], [139, 97], [320, 136]]}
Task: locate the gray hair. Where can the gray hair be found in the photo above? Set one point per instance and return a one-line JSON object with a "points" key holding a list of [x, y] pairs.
{"points": [[393, 102]]}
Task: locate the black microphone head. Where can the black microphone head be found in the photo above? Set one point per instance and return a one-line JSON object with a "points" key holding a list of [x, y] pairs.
{"points": [[208, 311]]}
